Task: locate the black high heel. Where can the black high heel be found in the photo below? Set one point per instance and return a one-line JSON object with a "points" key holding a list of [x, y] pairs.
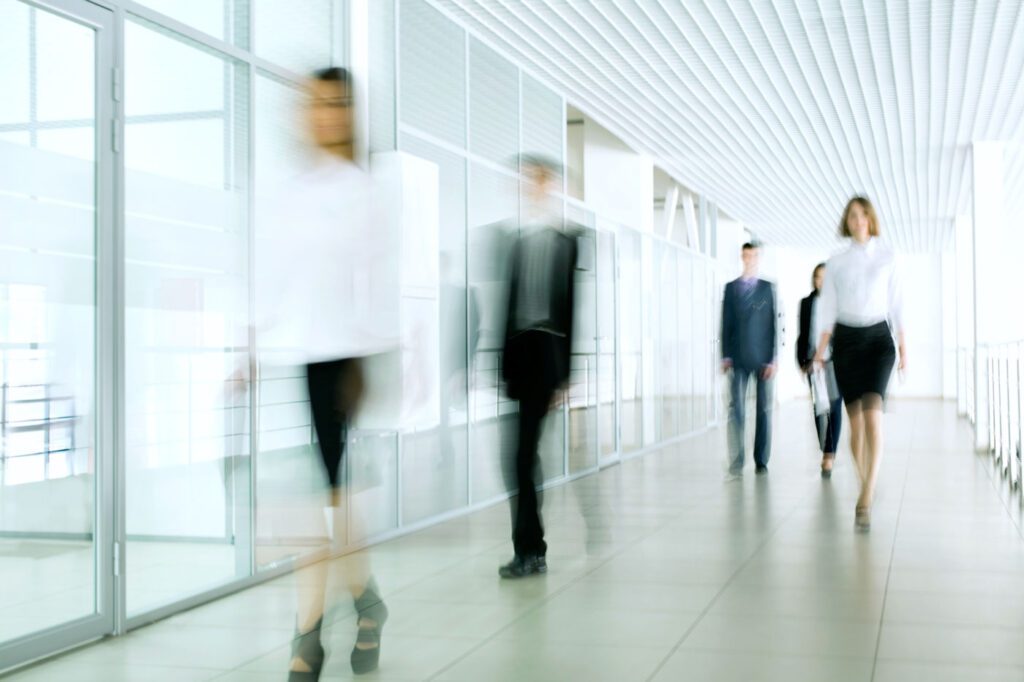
{"points": [[307, 647], [369, 607]]}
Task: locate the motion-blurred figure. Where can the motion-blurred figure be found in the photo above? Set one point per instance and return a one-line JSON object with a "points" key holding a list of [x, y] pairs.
{"points": [[749, 350], [324, 271], [538, 342], [460, 309], [829, 423], [861, 304]]}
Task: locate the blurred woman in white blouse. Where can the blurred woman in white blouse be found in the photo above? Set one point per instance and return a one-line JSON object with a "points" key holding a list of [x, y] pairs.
{"points": [[860, 309]]}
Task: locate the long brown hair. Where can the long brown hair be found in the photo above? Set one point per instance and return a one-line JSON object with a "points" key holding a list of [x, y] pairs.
{"points": [[864, 203]]}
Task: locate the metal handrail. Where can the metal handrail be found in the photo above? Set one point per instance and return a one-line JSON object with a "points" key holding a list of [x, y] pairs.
{"points": [[1001, 376]]}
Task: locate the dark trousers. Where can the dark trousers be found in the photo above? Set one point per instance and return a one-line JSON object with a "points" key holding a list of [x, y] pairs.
{"points": [[738, 418], [829, 425], [335, 387], [527, 529]]}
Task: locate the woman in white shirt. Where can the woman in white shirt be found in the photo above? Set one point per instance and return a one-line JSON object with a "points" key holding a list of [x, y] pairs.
{"points": [[860, 309]]}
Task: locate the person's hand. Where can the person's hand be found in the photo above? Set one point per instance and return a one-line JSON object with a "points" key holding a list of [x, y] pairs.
{"points": [[819, 361], [726, 366], [768, 372], [903, 358], [558, 397]]}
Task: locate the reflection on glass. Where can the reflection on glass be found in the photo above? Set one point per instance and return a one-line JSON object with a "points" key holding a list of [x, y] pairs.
{"points": [[631, 338], [47, 322], [186, 321], [606, 371], [434, 452], [583, 378], [492, 213]]}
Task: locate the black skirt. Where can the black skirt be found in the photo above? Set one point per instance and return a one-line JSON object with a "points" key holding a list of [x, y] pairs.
{"points": [[863, 358]]}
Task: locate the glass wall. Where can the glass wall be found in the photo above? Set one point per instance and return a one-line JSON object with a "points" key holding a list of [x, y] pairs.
{"points": [[186, 317], [218, 448], [51, 232]]}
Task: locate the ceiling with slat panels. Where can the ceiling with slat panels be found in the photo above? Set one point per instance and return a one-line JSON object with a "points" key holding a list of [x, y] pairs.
{"points": [[780, 110]]}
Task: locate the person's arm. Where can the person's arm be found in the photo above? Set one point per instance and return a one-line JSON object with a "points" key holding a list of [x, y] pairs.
{"points": [[896, 313], [773, 333], [803, 339], [728, 326], [828, 305]]}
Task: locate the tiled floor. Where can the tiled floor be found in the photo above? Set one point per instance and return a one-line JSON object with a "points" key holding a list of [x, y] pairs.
{"points": [[661, 570]]}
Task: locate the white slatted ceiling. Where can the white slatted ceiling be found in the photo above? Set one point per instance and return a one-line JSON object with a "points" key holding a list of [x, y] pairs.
{"points": [[779, 111]]}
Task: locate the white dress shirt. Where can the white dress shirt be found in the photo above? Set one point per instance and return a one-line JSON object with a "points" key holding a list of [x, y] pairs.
{"points": [[327, 264], [862, 288]]}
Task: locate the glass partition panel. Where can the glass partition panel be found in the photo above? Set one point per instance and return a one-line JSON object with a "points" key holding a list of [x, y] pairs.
{"points": [[631, 378], [689, 360], [667, 341], [582, 397], [493, 220], [607, 377], [701, 342], [434, 454], [48, 321], [186, 319]]}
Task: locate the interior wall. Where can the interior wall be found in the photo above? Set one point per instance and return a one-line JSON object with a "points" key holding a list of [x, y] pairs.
{"points": [[618, 182]]}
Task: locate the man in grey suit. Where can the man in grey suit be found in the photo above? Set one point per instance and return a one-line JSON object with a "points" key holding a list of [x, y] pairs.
{"points": [[749, 350]]}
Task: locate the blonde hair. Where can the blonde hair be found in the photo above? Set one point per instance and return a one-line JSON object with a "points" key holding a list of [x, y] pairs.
{"points": [[864, 203]]}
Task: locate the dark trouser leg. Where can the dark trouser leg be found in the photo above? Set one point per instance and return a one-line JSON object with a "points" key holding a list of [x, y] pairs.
{"points": [[527, 532], [737, 418], [763, 434], [835, 425]]}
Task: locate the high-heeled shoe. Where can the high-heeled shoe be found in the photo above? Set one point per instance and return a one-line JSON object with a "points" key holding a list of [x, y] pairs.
{"points": [[371, 616], [307, 647]]}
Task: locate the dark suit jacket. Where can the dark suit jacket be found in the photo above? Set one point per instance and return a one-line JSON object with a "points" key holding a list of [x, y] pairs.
{"points": [[749, 325], [547, 365], [803, 341]]}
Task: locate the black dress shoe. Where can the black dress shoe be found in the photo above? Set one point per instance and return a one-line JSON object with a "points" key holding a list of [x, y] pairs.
{"points": [[523, 566], [762, 469]]}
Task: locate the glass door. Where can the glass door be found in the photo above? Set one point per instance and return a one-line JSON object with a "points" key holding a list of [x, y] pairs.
{"points": [[187, 427], [57, 265]]}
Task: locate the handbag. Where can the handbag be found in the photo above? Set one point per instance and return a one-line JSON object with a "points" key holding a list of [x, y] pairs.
{"points": [[824, 388]]}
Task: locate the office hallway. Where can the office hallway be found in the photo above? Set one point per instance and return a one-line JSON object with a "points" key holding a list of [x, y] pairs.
{"points": [[662, 570]]}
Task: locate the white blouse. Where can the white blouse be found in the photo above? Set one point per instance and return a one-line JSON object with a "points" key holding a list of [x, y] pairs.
{"points": [[862, 288], [327, 266]]}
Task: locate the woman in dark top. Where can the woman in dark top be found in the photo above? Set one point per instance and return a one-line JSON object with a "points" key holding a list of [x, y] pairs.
{"points": [[828, 425]]}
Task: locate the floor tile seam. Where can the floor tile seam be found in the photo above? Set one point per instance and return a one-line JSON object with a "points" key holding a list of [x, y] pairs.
{"points": [[774, 654], [543, 602], [1009, 629], [892, 558], [725, 587], [953, 662]]}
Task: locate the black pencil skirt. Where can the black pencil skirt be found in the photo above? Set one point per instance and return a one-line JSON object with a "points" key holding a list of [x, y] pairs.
{"points": [[863, 358]]}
